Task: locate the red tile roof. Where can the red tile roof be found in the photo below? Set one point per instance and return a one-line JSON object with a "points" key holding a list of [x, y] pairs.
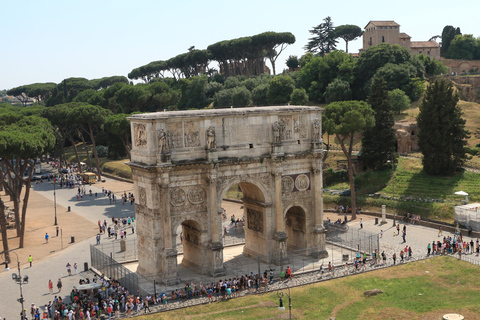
{"points": [[389, 23], [424, 44]]}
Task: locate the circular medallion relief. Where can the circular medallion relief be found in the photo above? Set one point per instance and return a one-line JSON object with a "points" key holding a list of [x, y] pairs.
{"points": [[287, 184], [178, 197], [302, 182], [196, 195]]}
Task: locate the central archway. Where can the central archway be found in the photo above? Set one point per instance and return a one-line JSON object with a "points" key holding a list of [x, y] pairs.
{"points": [[255, 219]]}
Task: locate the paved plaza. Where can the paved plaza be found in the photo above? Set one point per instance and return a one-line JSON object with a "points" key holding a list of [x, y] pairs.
{"points": [[81, 222]]}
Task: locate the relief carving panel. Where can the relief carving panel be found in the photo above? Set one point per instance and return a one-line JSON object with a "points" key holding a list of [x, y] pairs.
{"points": [[192, 136], [255, 220], [178, 197], [302, 182], [174, 135], [142, 196], [286, 123], [299, 126], [287, 184], [196, 195], [140, 134]]}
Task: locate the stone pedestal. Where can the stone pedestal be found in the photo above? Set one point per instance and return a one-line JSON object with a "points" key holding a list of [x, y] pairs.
{"points": [[166, 158], [280, 256], [277, 150], [318, 251], [215, 260], [169, 274], [384, 214], [212, 155]]}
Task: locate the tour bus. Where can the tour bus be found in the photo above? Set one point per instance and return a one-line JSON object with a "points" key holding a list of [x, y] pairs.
{"points": [[89, 177]]}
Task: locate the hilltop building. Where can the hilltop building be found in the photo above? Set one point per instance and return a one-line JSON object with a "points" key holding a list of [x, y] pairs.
{"points": [[377, 32]]}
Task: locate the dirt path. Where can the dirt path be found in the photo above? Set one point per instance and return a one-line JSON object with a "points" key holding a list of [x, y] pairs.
{"points": [[40, 220]]}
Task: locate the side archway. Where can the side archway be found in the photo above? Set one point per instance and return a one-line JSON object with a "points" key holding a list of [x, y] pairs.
{"points": [[295, 227]]}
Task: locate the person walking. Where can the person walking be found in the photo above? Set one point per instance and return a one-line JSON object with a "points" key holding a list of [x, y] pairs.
{"points": [[145, 306], [429, 249], [404, 233], [381, 233], [75, 267], [50, 286], [440, 233], [59, 285], [398, 229], [69, 268], [57, 229], [30, 260], [394, 257], [46, 237], [361, 223]]}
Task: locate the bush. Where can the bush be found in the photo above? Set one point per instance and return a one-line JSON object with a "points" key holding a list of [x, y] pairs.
{"points": [[299, 97], [472, 151], [102, 151], [335, 176], [223, 98], [259, 95], [241, 97]]}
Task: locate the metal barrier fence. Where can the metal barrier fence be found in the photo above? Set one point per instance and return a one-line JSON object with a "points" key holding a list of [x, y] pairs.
{"points": [[355, 239], [114, 270], [113, 248]]}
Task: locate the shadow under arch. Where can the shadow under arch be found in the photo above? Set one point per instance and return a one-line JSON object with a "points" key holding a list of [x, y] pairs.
{"points": [[258, 215], [193, 241], [295, 227]]}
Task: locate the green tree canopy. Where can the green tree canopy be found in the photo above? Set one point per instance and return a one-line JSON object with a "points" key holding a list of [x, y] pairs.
{"points": [[299, 97], [448, 34], [442, 134], [398, 101], [279, 90], [315, 76], [338, 90], [348, 32], [292, 62], [463, 47], [379, 140], [323, 40], [344, 119]]}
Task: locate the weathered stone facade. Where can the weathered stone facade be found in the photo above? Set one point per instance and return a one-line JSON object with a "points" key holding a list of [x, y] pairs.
{"points": [[184, 162], [377, 32]]}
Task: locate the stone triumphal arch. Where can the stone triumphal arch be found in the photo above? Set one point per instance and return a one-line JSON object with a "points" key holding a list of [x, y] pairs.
{"points": [[183, 163]]}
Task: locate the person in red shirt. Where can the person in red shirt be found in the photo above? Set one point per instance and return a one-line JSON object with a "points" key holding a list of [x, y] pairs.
{"points": [[109, 311], [289, 272]]}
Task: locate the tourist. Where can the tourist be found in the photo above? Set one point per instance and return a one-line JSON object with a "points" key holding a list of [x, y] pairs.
{"points": [[30, 260], [46, 237], [50, 286]]}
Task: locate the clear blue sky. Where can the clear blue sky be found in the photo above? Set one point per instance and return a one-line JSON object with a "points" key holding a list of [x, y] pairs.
{"points": [[49, 40]]}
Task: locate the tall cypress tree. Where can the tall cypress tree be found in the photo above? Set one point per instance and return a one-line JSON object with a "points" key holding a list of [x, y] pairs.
{"points": [[380, 139], [442, 135]]}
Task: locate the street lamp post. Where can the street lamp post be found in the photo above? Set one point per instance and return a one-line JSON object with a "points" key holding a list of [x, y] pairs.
{"points": [[391, 157], [55, 199], [18, 278], [280, 295]]}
